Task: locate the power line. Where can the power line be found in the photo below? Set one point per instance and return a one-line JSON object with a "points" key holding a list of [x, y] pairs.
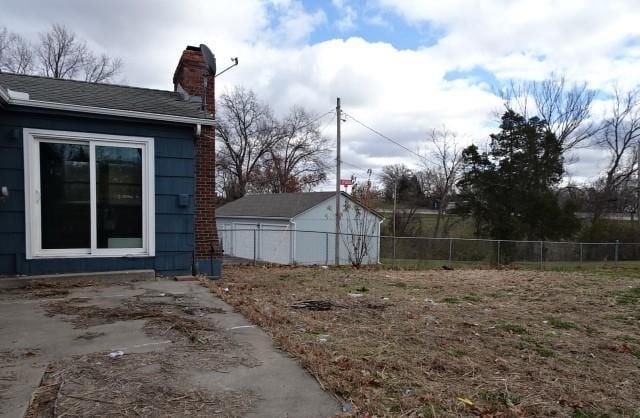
{"points": [[383, 135], [353, 165], [318, 118]]}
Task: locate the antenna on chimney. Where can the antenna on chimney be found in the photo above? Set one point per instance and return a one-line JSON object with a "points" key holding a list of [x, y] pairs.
{"points": [[235, 62], [210, 62]]}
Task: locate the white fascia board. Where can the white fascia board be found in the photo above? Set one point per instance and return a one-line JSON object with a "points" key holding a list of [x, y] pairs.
{"points": [[109, 112]]}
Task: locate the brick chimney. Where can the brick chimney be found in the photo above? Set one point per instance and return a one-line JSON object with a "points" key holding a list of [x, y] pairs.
{"points": [[188, 77]]}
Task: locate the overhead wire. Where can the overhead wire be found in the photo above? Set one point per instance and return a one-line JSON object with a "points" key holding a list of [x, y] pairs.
{"points": [[380, 134]]}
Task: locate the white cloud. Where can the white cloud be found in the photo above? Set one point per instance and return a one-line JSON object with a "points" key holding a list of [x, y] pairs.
{"points": [[527, 38], [402, 93], [348, 15]]}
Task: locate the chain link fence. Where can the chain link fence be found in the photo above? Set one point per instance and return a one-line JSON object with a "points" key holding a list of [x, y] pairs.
{"points": [[290, 246]]}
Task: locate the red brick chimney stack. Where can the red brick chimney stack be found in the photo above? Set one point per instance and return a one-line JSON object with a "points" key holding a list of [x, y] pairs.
{"points": [[189, 76]]}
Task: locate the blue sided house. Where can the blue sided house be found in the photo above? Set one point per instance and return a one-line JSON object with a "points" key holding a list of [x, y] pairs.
{"points": [[101, 177]]}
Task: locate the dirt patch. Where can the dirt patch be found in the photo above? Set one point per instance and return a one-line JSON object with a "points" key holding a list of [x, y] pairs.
{"points": [[131, 385], [464, 342]]}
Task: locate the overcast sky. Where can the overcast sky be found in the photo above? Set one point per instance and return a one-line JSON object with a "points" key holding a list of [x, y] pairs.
{"points": [[401, 66]]}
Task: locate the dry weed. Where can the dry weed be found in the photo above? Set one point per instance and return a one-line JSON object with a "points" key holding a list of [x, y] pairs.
{"points": [[453, 342]]}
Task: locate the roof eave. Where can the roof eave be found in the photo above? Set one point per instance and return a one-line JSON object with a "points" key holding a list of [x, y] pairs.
{"points": [[280, 218], [105, 111]]}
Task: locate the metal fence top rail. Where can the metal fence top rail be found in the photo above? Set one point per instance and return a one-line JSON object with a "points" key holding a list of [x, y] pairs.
{"points": [[428, 238]]}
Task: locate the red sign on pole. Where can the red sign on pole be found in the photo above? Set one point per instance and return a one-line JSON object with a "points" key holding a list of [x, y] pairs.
{"points": [[345, 182]]}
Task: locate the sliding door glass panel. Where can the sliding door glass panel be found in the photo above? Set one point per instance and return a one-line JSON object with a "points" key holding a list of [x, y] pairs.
{"points": [[118, 197], [65, 196]]}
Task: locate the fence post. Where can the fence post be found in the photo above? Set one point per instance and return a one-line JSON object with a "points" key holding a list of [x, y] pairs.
{"points": [[394, 266], [616, 252], [541, 255], [498, 253], [326, 248], [450, 250], [255, 255], [581, 254]]}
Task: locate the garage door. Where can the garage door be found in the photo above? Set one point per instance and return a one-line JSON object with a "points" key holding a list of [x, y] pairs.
{"points": [[274, 243], [243, 240]]}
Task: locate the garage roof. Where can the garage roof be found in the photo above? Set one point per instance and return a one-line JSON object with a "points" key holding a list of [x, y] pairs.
{"points": [[281, 205]]}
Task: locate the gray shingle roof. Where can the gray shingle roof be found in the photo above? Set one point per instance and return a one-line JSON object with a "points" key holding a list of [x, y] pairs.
{"points": [[283, 205], [108, 96]]}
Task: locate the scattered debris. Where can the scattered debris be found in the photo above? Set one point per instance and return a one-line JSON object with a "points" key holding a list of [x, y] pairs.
{"points": [[313, 305], [356, 295], [116, 354], [44, 400], [93, 387], [240, 327], [90, 335]]}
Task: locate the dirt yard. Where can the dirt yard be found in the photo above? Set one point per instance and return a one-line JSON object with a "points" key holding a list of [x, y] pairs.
{"points": [[454, 343]]}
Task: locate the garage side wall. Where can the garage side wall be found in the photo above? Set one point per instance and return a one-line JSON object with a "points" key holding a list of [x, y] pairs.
{"points": [[319, 247]]}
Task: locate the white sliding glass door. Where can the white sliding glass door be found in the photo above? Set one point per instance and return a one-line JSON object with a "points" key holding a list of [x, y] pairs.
{"points": [[88, 195]]}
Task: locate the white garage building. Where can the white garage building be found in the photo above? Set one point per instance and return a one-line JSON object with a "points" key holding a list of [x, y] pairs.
{"points": [[298, 228]]}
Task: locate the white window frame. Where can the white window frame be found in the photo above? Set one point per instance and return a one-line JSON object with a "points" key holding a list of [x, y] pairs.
{"points": [[33, 225]]}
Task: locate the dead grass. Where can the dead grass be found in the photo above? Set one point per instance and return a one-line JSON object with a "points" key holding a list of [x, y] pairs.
{"points": [[441, 343], [132, 385]]}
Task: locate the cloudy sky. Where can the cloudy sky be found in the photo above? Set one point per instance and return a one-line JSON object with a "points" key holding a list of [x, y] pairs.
{"points": [[401, 66]]}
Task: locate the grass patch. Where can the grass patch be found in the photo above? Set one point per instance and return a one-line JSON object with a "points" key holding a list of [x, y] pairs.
{"points": [[628, 297], [499, 397], [472, 297], [560, 324], [581, 413], [533, 344], [451, 300], [512, 328]]}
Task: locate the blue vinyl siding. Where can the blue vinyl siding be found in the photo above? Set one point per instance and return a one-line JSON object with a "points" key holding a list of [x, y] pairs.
{"points": [[174, 159]]}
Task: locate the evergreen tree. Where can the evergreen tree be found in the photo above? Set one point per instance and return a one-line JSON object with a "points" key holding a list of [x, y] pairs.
{"points": [[509, 190]]}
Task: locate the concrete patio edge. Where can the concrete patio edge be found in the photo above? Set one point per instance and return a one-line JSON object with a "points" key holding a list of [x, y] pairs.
{"points": [[102, 277]]}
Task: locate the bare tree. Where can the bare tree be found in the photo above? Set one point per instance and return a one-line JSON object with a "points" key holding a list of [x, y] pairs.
{"points": [[442, 165], [247, 131], [358, 224], [16, 53], [101, 68], [566, 107], [61, 55], [57, 54], [299, 160], [618, 135]]}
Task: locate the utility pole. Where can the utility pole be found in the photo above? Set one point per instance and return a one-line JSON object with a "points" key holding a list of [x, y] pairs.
{"points": [[337, 235], [638, 185], [395, 198]]}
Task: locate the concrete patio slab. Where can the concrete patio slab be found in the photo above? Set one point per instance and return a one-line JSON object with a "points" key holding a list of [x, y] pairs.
{"points": [[32, 339]]}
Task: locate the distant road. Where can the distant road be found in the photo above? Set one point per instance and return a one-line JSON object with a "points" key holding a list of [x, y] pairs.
{"points": [[579, 215]]}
